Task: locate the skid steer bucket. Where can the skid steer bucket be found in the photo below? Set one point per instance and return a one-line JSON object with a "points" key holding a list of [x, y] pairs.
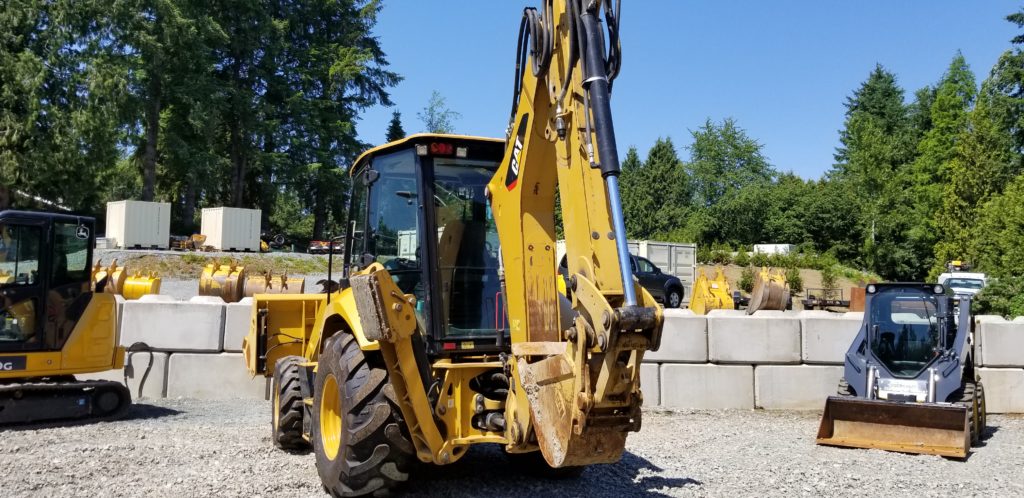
{"points": [[932, 429]]}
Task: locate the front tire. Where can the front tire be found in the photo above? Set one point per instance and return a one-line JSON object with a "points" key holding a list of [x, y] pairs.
{"points": [[845, 389], [360, 440], [287, 405]]}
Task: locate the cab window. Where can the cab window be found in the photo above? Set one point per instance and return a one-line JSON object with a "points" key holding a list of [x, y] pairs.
{"points": [[645, 266], [19, 255]]}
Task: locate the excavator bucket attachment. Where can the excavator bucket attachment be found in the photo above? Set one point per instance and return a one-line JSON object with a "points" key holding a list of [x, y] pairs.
{"points": [[931, 429], [771, 292]]}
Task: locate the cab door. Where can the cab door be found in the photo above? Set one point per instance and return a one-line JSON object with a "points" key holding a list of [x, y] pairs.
{"points": [[22, 287]]}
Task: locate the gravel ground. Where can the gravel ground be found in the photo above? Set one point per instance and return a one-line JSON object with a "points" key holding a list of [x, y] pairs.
{"points": [[222, 448]]}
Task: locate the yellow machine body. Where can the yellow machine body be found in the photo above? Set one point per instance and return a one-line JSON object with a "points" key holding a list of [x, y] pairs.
{"points": [[91, 347]]}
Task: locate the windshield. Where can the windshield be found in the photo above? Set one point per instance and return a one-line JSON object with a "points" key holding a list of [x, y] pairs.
{"points": [[467, 248], [904, 330], [965, 283]]}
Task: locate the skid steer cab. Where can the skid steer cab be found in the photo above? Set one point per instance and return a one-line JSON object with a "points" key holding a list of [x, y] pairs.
{"points": [[909, 379]]}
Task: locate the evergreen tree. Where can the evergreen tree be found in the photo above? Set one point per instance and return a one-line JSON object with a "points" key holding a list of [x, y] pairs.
{"points": [[395, 130], [954, 97], [880, 100], [983, 163]]}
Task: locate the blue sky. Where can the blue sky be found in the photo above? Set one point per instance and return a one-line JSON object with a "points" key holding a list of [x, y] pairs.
{"points": [[782, 69]]}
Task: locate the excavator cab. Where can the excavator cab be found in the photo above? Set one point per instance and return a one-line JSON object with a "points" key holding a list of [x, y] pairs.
{"points": [[444, 252]]}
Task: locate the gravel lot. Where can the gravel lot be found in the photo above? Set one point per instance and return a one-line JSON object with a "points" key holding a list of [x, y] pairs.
{"points": [[222, 448]]}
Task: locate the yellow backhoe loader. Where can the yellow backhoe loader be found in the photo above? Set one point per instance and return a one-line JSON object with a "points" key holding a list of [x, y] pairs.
{"points": [[447, 330], [52, 324]]}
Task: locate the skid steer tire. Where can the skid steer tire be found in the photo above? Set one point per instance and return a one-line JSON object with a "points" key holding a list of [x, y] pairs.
{"points": [[844, 388], [966, 396], [360, 440], [287, 405], [979, 392]]}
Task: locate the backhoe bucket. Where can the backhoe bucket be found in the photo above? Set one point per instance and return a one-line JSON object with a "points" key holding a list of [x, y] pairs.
{"points": [[931, 429]]}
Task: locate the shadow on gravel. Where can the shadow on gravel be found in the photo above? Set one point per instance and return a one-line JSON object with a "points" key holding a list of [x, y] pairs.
{"points": [[486, 470], [136, 411]]}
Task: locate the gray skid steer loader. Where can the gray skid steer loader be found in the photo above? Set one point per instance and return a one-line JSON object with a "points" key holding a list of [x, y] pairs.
{"points": [[910, 384]]}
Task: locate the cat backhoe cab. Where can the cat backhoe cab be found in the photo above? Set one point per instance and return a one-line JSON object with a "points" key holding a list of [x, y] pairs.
{"points": [[910, 384], [52, 326], [447, 329]]}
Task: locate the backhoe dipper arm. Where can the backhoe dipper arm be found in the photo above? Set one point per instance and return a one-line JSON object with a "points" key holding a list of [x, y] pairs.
{"points": [[577, 391]]}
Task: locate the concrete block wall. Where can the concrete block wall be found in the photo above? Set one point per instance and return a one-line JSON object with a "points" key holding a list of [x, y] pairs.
{"points": [[726, 359], [793, 360]]}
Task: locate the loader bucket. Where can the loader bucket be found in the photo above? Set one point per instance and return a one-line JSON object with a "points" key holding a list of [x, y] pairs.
{"points": [[931, 429]]}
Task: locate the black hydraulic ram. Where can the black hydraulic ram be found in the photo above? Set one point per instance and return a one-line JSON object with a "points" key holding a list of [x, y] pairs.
{"points": [[598, 87]]}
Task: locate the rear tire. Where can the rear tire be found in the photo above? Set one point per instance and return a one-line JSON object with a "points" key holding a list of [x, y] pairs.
{"points": [[674, 298], [288, 408], [361, 443], [979, 391], [844, 389]]}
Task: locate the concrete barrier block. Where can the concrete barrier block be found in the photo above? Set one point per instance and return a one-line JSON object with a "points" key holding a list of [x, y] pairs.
{"points": [[1004, 389], [777, 314], [237, 318], [1019, 319], [727, 313], [795, 387], [650, 384], [826, 338], [174, 325], [707, 387], [756, 339], [140, 361], [206, 299], [156, 298], [1000, 343], [212, 376], [684, 339]]}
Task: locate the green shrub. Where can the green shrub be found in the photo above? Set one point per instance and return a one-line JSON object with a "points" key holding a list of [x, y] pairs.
{"points": [[796, 283], [1004, 296], [742, 258], [747, 279], [828, 277], [703, 254], [760, 259]]}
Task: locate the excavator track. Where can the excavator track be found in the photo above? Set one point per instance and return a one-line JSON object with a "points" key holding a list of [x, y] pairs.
{"points": [[47, 401]]}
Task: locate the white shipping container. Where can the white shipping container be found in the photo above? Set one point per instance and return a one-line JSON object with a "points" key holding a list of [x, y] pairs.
{"points": [[139, 224], [231, 229], [774, 248]]}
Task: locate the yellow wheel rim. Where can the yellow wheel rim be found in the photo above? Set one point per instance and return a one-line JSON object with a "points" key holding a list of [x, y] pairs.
{"points": [[277, 407], [330, 418]]}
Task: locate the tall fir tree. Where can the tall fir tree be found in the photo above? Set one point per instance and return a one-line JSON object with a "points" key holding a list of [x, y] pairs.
{"points": [[395, 130]]}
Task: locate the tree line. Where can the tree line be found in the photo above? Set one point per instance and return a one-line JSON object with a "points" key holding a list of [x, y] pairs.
{"points": [[917, 181], [197, 103]]}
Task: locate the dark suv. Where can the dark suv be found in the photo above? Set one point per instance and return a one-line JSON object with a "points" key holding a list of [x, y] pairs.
{"points": [[666, 289]]}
